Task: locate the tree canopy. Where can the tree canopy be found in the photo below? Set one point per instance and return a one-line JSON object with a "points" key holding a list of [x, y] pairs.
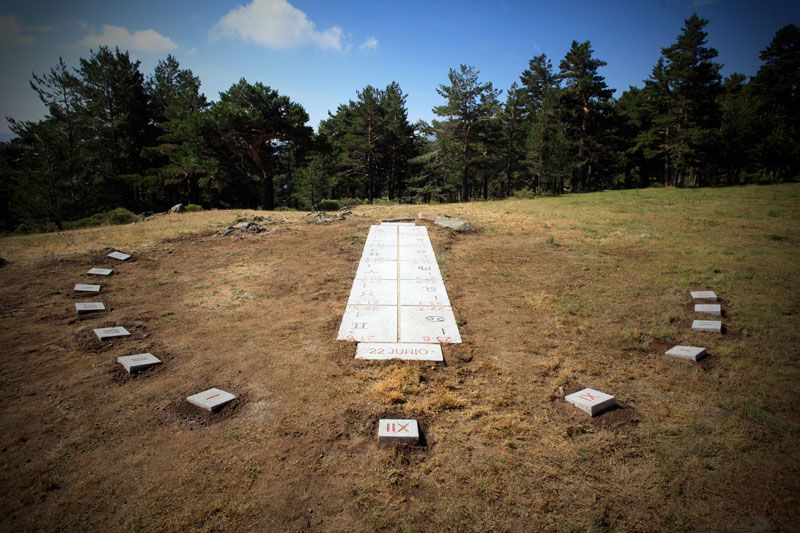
{"points": [[113, 137]]}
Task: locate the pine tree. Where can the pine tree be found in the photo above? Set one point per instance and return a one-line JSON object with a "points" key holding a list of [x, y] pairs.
{"points": [[585, 103], [512, 136], [470, 106], [546, 146], [177, 159], [253, 132], [777, 89], [118, 125], [682, 91]]}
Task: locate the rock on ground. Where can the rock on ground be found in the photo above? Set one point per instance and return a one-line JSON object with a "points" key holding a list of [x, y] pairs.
{"points": [[454, 223], [320, 217], [177, 208]]}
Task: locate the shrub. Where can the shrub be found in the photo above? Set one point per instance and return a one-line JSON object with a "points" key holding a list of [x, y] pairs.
{"points": [[384, 201], [24, 229], [329, 205], [194, 207], [121, 215], [524, 194]]}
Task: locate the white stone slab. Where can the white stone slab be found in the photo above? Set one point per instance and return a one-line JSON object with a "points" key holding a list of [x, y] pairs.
{"points": [[382, 230], [373, 292], [416, 253], [89, 307], [83, 287], [704, 295], [414, 240], [379, 253], [413, 230], [398, 430], [211, 399], [138, 362], [591, 401], [381, 240], [419, 270], [119, 255], [686, 352], [428, 324], [377, 270], [423, 292], [110, 333], [369, 323], [713, 326], [100, 271], [711, 309], [404, 351]]}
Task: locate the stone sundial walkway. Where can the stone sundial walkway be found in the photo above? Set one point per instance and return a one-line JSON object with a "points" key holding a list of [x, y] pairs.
{"points": [[398, 306]]}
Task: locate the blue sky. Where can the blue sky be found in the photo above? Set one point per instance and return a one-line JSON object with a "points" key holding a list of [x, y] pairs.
{"points": [[321, 52]]}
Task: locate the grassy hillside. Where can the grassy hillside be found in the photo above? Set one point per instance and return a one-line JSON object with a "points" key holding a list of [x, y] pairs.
{"points": [[551, 295]]}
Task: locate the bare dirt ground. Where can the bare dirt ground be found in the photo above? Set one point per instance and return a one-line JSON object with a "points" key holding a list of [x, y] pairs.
{"points": [[551, 295]]}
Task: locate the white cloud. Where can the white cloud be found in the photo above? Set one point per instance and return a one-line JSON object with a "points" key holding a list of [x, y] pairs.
{"points": [[147, 41], [370, 45], [12, 29], [275, 24]]}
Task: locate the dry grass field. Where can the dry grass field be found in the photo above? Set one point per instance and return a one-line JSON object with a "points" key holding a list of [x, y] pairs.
{"points": [[551, 295]]}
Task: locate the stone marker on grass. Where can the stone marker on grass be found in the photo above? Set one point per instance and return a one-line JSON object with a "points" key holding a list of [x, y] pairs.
{"points": [[693, 353], [591, 401], [100, 271], [138, 362], [110, 333], [119, 255], [211, 399], [704, 295], [398, 430], [89, 307], [83, 287], [711, 309], [713, 326]]}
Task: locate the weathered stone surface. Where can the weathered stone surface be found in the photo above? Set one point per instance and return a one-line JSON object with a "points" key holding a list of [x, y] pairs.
{"points": [[373, 292], [429, 292], [403, 351], [100, 271], [110, 333], [456, 224], [712, 326], [428, 324], [177, 208], [369, 323], [138, 362], [211, 399], [89, 307], [711, 309], [591, 401], [398, 430], [83, 287], [693, 353], [376, 270], [704, 295], [419, 270], [119, 255], [430, 217]]}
